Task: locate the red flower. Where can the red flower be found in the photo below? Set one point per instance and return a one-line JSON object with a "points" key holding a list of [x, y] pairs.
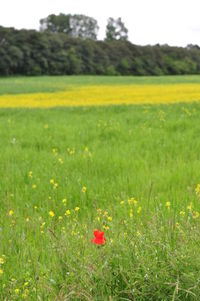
{"points": [[99, 238]]}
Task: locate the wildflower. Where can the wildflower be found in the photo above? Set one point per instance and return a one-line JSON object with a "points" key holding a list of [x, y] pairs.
{"points": [[60, 160], [67, 212], [122, 202], [77, 209], [139, 209], [30, 174], [168, 204], [105, 213], [1, 260], [106, 227], [138, 234], [34, 186], [64, 201], [51, 181], [109, 218], [17, 291], [195, 214], [11, 212], [42, 225], [197, 190], [84, 189], [35, 207], [182, 213], [60, 218], [132, 201], [131, 213], [55, 186], [51, 213], [55, 151], [99, 238], [27, 219], [189, 207], [1, 272]]}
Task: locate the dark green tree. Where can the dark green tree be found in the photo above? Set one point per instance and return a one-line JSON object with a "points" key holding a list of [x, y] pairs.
{"points": [[77, 26], [116, 30], [53, 23]]}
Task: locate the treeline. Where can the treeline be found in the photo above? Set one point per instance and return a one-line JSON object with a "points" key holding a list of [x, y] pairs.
{"points": [[29, 52]]}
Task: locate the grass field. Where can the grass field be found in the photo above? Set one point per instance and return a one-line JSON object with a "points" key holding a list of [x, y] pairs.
{"points": [[131, 171]]}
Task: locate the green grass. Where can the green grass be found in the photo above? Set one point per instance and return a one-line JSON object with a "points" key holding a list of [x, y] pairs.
{"points": [[16, 85], [150, 153]]}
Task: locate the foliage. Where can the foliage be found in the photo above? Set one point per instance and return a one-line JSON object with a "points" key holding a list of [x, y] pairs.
{"points": [[29, 52], [116, 30], [77, 26]]}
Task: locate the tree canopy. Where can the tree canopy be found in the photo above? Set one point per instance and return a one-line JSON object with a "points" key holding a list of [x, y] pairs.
{"points": [[77, 26], [116, 30], [29, 52]]}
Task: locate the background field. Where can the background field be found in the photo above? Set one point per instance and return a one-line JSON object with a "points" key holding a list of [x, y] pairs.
{"points": [[129, 170], [20, 85]]}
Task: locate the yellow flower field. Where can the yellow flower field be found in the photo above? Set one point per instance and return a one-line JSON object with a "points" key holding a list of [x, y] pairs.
{"points": [[105, 95]]}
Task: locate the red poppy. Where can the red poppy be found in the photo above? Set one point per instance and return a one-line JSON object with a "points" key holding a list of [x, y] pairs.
{"points": [[99, 238]]}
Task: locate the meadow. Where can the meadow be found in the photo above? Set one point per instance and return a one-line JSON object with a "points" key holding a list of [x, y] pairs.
{"points": [[130, 170]]}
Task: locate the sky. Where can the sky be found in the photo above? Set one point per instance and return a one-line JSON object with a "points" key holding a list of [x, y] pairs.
{"points": [[172, 22]]}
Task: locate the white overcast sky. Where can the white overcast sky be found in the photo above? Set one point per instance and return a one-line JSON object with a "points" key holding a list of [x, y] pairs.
{"points": [[175, 22]]}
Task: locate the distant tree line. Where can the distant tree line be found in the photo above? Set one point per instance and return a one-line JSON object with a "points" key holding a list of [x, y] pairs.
{"points": [[67, 44]]}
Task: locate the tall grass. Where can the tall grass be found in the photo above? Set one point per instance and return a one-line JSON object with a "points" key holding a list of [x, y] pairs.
{"points": [[130, 171]]}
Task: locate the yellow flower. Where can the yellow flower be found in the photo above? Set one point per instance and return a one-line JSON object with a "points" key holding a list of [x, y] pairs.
{"points": [[51, 213], [168, 204], [27, 219], [1, 260], [122, 202], [84, 189], [55, 151], [51, 181], [197, 189], [195, 214], [77, 209], [182, 213], [132, 201], [30, 174], [139, 209], [11, 212], [55, 186], [17, 291], [60, 160], [105, 227], [1, 272], [42, 225], [35, 207], [189, 207], [34, 186], [60, 218], [67, 212], [109, 218], [138, 233]]}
